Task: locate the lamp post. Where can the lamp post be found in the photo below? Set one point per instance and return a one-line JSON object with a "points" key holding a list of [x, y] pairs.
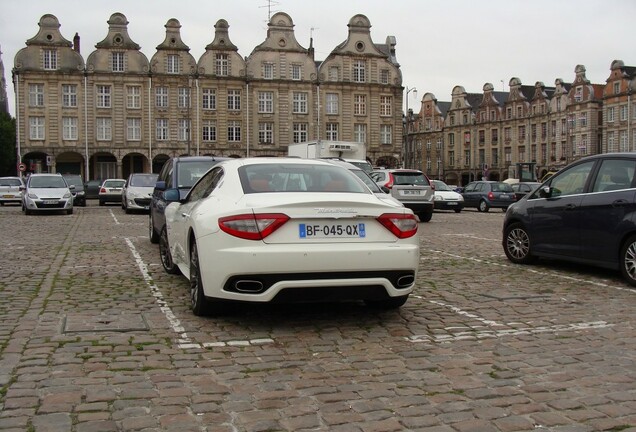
{"points": [[407, 118]]}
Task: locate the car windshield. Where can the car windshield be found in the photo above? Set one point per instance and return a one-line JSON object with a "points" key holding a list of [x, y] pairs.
{"points": [[47, 182], [281, 177], [114, 183], [366, 166], [10, 182], [74, 180], [441, 186], [501, 187], [367, 180], [409, 178], [143, 180], [190, 172]]}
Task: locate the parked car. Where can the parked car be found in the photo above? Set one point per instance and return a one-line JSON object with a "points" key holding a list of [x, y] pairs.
{"points": [[179, 173], [10, 190], [485, 195], [110, 191], [521, 189], [411, 187], [47, 193], [79, 194], [245, 233], [91, 189], [137, 191], [446, 198], [585, 213]]}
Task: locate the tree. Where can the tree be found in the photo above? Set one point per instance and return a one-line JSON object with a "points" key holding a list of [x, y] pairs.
{"points": [[7, 145]]}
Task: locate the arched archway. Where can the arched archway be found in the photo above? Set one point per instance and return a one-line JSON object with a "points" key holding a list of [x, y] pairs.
{"points": [[134, 163], [70, 163], [158, 161], [35, 162], [103, 166]]}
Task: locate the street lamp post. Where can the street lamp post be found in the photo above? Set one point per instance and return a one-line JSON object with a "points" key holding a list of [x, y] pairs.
{"points": [[406, 159]]}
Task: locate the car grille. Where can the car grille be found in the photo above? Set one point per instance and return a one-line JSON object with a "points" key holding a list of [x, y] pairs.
{"points": [[59, 204], [143, 202]]}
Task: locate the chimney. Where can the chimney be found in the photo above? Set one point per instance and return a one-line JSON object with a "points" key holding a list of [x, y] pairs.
{"points": [[76, 43]]}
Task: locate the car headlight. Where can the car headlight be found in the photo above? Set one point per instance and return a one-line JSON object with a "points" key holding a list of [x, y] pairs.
{"points": [[81, 193], [438, 198], [32, 195], [131, 195], [67, 195]]}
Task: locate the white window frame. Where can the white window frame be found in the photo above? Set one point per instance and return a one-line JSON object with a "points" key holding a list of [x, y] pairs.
{"points": [[296, 72], [265, 102], [209, 99], [117, 61], [69, 128], [360, 132], [623, 112], [104, 129], [69, 95], [300, 132], [234, 131], [334, 73], [133, 97], [161, 97], [268, 70], [222, 65], [161, 129], [36, 95], [184, 130], [386, 135], [299, 103], [49, 59], [386, 103], [184, 97], [385, 76], [610, 114], [36, 128], [133, 129], [359, 71], [359, 104], [331, 103], [331, 131], [266, 133], [103, 96], [209, 131], [234, 100], [172, 64]]}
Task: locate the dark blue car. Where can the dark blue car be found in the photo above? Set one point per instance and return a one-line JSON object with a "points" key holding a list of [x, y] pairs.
{"points": [[586, 213]]}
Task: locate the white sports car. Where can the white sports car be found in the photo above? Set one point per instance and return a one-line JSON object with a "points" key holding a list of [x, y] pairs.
{"points": [[285, 229]]}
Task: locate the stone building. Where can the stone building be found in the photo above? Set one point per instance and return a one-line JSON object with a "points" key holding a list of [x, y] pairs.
{"points": [[118, 112], [484, 135]]}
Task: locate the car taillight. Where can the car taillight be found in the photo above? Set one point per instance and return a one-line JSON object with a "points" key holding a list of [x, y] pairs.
{"points": [[491, 196], [389, 183], [103, 190], [401, 225], [252, 226]]}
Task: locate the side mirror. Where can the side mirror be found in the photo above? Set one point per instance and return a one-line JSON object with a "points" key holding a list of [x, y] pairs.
{"points": [[160, 185], [545, 192], [171, 195], [385, 189], [71, 187]]}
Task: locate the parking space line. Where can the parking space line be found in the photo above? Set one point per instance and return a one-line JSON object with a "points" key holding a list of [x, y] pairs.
{"points": [[471, 236], [114, 217], [467, 314]]}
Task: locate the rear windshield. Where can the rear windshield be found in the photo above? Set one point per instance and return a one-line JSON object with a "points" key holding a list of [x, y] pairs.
{"points": [[10, 182], [190, 172], [143, 180], [409, 178], [114, 183], [298, 178]]}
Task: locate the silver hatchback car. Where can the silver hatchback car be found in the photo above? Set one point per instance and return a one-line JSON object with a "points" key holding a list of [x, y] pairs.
{"points": [[47, 193]]}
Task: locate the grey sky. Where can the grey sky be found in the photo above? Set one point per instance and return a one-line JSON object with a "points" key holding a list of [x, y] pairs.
{"points": [[440, 43]]}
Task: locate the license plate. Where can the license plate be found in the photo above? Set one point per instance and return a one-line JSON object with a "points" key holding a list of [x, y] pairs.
{"points": [[50, 201], [411, 192], [332, 230], [452, 203], [7, 196]]}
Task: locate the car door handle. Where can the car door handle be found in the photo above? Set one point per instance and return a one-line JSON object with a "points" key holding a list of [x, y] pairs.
{"points": [[570, 207], [185, 215], [619, 203]]}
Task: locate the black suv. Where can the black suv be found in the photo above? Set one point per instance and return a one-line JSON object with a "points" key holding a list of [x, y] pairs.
{"points": [[179, 173]]}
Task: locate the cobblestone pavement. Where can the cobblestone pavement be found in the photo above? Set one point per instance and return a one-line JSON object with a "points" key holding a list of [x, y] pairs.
{"points": [[94, 336]]}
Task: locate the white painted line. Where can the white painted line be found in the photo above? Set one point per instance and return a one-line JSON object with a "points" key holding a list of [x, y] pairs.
{"points": [[238, 343], [467, 314], [183, 341], [441, 339], [114, 217], [470, 236]]}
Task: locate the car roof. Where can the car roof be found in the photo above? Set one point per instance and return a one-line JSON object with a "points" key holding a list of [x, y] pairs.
{"points": [[198, 158]]}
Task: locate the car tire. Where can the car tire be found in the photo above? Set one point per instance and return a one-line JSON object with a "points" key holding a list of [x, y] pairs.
{"points": [[517, 244], [483, 206], [165, 255], [152, 234], [69, 211], [628, 260], [27, 211], [425, 216], [458, 210], [198, 302], [387, 304], [101, 203]]}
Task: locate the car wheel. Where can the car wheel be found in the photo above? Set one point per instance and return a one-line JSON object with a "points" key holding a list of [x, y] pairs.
{"points": [[69, 211], [425, 216], [387, 304], [164, 252], [628, 260], [198, 302], [483, 206], [27, 211], [517, 244], [101, 203], [152, 234], [123, 206], [458, 210]]}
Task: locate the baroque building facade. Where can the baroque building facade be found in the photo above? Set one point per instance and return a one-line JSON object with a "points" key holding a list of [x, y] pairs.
{"points": [[484, 135], [118, 112]]}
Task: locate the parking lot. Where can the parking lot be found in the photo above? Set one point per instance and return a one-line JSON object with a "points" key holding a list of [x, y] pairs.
{"points": [[94, 336]]}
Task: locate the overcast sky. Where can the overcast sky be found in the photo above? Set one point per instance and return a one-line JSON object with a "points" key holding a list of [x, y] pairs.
{"points": [[440, 43]]}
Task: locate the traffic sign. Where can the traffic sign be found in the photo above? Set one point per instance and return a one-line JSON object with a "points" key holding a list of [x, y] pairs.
{"points": [[22, 166]]}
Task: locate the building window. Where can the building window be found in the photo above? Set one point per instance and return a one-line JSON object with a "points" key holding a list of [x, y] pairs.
{"points": [[234, 100], [451, 139], [266, 102], [331, 131], [359, 71], [296, 72], [300, 132], [209, 131], [172, 67], [331, 103], [69, 95], [234, 131], [360, 132], [583, 120], [334, 73], [299, 103], [266, 133], [623, 111], [494, 134], [386, 134], [69, 128], [103, 96], [451, 158], [162, 129], [508, 113], [133, 97], [544, 130], [578, 94], [117, 61], [611, 142], [384, 76], [519, 112], [104, 129], [184, 130], [222, 65], [49, 59], [209, 99], [522, 133], [617, 87], [268, 70], [466, 157], [36, 95], [184, 97], [507, 133], [610, 114], [386, 103], [452, 119], [133, 130], [494, 157], [161, 97], [36, 128], [359, 104]]}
